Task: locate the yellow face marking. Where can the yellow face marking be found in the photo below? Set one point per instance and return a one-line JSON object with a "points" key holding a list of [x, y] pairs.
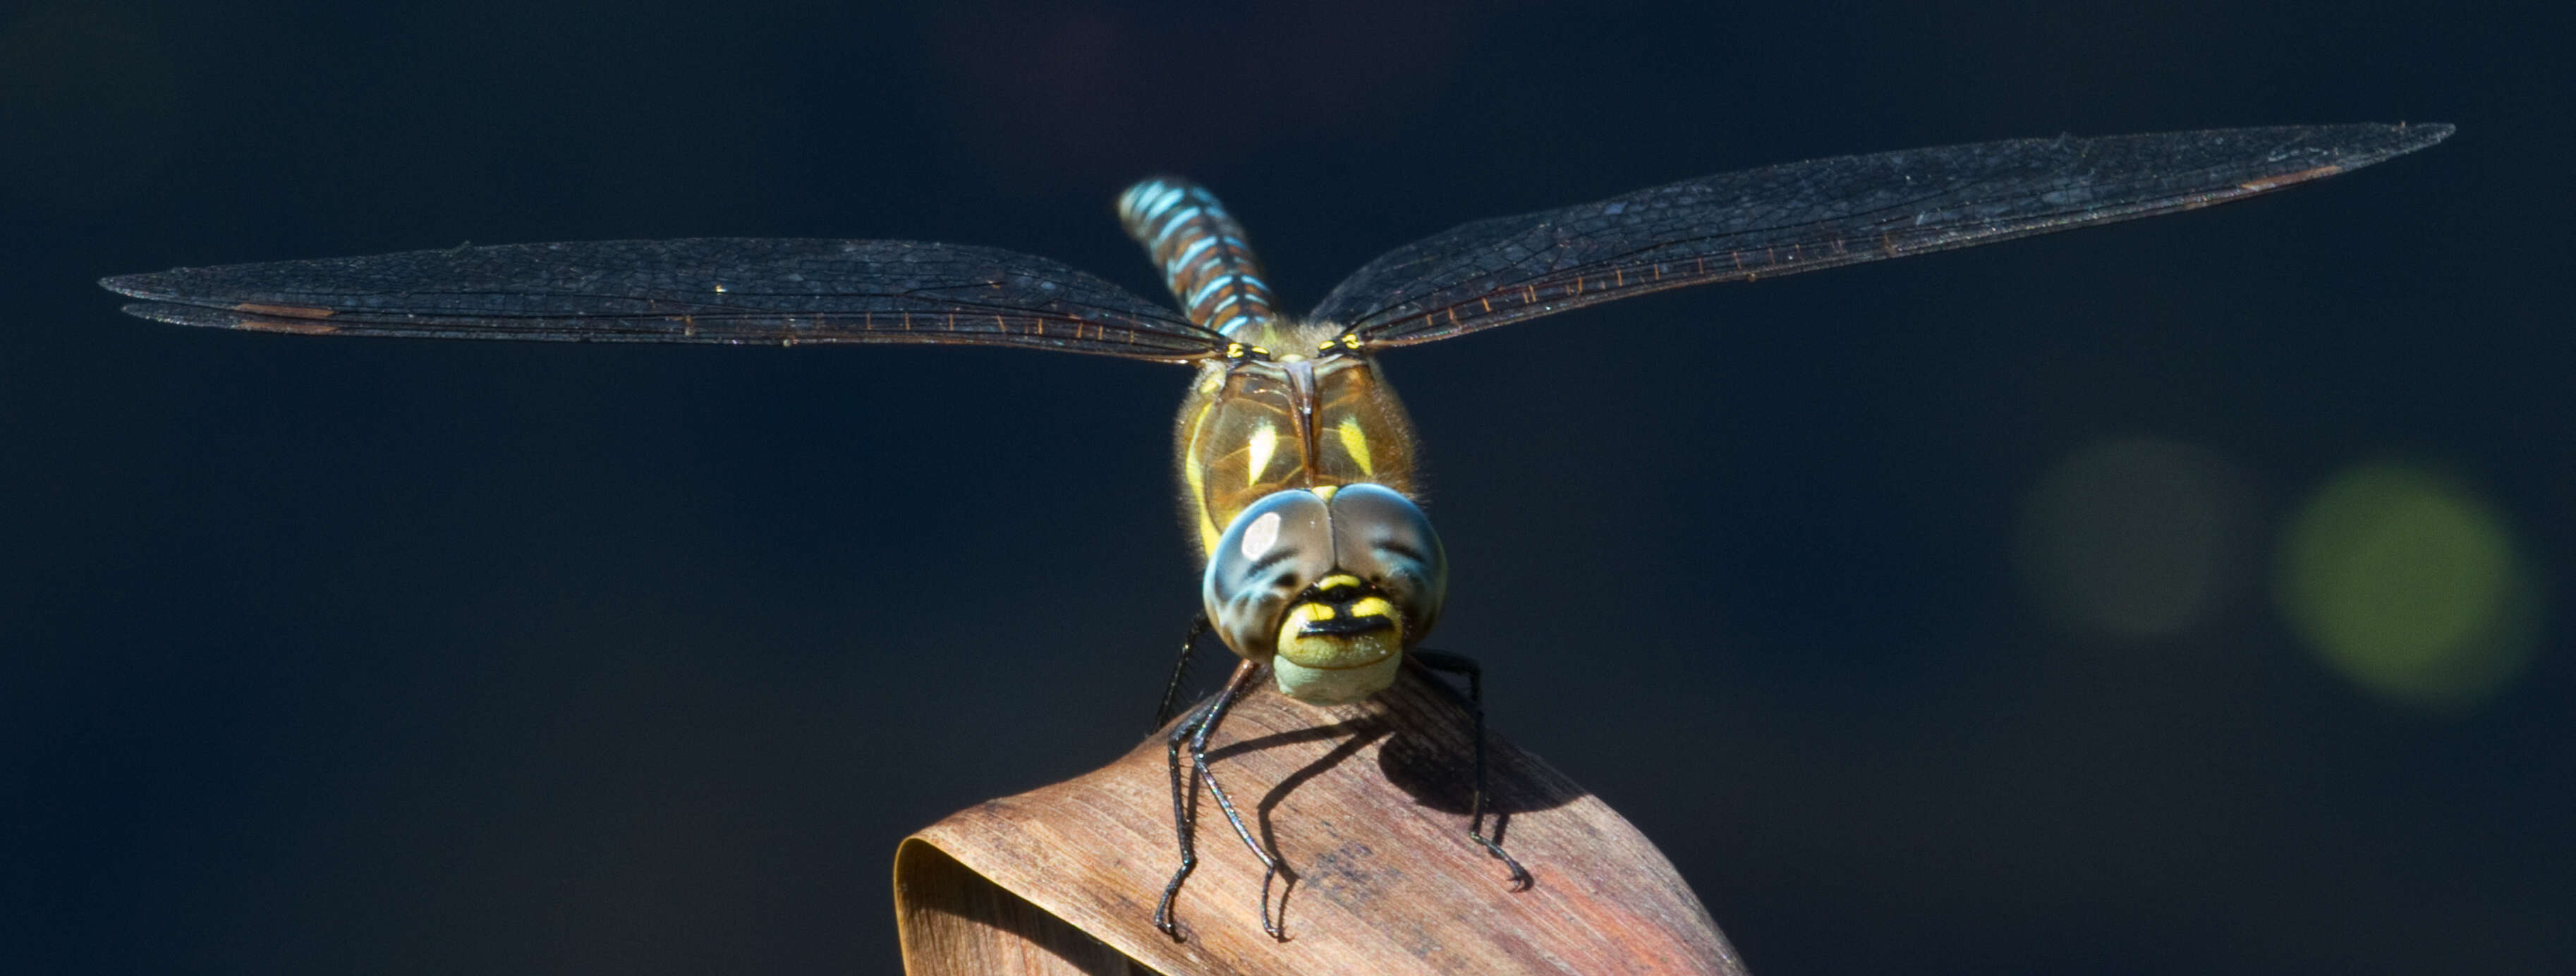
{"points": [[1264, 442], [1337, 581], [1373, 606], [1355, 443], [1332, 651]]}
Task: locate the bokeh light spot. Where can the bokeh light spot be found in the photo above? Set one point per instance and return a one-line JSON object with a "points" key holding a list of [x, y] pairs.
{"points": [[2135, 538], [2410, 586]]}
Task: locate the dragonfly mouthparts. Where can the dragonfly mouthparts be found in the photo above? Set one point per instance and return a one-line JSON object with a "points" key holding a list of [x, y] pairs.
{"points": [[1345, 624]]}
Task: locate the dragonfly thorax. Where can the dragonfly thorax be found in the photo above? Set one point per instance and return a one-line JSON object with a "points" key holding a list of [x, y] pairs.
{"points": [[1251, 427]]}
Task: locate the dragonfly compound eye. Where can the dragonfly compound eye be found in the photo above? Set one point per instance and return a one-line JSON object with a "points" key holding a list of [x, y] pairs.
{"points": [[1385, 540], [1329, 592], [1274, 551]]}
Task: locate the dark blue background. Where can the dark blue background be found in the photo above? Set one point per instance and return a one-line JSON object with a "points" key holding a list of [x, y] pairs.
{"points": [[344, 656]]}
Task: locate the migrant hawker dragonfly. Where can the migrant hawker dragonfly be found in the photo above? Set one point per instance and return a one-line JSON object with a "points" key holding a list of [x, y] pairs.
{"points": [[1296, 460]]}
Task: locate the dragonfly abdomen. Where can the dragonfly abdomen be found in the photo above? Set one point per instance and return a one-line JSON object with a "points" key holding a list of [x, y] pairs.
{"points": [[1203, 254]]}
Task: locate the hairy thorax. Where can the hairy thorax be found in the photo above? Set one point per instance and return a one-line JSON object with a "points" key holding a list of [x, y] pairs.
{"points": [[1301, 419]]}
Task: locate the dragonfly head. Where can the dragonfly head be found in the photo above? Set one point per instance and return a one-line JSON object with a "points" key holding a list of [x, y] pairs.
{"points": [[1329, 586]]}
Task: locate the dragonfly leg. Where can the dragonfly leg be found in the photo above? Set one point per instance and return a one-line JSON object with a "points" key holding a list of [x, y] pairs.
{"points": [[1184, 820], [1180, 670], [1195, 730], [1474, 703], [1246, 676]]}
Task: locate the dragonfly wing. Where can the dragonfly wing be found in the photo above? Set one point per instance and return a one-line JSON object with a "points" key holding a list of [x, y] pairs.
{"points": [[738, 291], [1827, 213]]}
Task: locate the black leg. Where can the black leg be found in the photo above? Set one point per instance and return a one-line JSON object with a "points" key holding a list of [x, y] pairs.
{"points": [[1474, 703], [1195, 730], [1246, 676], [1180, 670], [1183, 823]]}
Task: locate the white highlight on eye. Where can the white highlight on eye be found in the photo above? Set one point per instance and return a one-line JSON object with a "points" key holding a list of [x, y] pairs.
{"points": [[1260, 535], [1265, 441]]}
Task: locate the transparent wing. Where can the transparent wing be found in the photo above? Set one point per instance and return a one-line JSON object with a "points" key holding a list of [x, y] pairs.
{"points": [[705, 290], [1827, 213]]}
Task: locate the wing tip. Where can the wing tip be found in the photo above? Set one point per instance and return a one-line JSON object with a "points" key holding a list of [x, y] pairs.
{"points": [[246, 318], [2338, 149], [2406, 137], [132, 285], [2427, 133], [168, 312], [2384, 140]]}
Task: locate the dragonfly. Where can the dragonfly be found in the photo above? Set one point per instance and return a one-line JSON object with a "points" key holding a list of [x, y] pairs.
{"points": [[1295, 458]]}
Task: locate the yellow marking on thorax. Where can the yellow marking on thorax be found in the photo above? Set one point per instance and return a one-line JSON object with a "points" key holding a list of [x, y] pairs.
{"points": [[1355, 442], [1265, 441], [1209, 531]]}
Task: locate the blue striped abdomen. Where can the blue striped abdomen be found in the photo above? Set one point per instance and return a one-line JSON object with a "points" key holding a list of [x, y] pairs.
{"points": [[1202, 252]]}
